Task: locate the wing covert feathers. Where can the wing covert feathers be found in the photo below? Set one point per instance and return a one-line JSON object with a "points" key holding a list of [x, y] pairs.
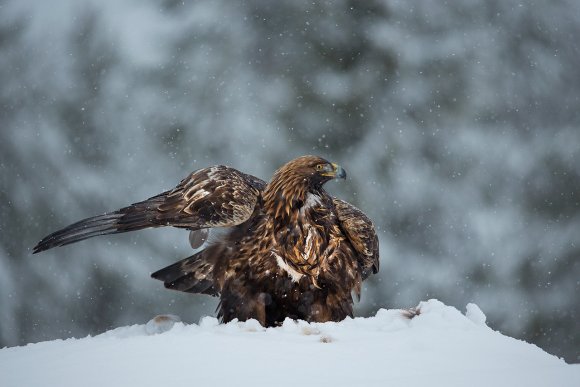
{"points": [[217, 196], [361, 233]]}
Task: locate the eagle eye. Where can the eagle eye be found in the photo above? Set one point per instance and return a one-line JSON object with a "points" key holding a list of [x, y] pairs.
{"points": [[319, 167]]}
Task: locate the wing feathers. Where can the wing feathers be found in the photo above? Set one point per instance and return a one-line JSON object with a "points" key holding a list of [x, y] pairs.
{"points": [[291, 225], [361, 233], [217, 196], [193, 275], [134, 217]]}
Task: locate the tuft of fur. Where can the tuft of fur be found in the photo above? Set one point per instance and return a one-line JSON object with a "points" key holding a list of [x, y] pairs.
{"points": [[411, 312]]}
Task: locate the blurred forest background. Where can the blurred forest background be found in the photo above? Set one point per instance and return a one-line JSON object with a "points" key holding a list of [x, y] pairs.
{"points": [[458, 123]]}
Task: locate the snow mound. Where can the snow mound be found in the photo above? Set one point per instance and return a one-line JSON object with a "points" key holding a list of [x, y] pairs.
{"points": [[440, 346]]}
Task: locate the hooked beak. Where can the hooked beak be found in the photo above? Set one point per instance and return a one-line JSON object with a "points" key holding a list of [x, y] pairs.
{"points": [[337, 172]]}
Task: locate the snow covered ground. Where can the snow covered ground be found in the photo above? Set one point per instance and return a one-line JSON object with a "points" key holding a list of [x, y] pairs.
{"points": [[440, 347]]}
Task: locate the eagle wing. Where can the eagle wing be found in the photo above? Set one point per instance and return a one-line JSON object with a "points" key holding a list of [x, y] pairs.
{"points": [[217, 196], [361, 233]]}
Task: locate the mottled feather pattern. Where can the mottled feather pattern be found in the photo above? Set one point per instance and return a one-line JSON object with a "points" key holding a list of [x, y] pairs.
{"points": [[287, 250], [361, 233], [218, 196]]}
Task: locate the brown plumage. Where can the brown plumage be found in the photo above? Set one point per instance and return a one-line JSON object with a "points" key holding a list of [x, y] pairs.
{"points": [[288, 250]]}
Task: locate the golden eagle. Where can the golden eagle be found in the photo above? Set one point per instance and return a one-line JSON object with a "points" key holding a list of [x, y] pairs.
{"points": [[289, 249]]}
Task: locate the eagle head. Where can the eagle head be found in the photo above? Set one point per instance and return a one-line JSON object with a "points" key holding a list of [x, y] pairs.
{"points": [[295, 179], [312, 171]]}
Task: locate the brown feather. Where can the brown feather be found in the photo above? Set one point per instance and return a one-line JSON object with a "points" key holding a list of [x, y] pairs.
{"points": [[288, 249], [361, 233]]}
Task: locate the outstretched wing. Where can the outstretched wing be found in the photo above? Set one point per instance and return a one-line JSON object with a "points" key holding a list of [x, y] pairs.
{"points": [[217, 196], [361, 232]]}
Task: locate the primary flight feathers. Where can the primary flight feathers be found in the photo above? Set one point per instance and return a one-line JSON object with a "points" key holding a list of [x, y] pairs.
{"points": [[289, 250]]}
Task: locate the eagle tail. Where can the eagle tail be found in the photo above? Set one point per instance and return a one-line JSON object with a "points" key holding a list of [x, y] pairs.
{"points": [[192, 275], [134, 217]]}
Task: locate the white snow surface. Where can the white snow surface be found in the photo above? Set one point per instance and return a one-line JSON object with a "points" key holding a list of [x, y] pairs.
{"points": [[439, 347]]}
